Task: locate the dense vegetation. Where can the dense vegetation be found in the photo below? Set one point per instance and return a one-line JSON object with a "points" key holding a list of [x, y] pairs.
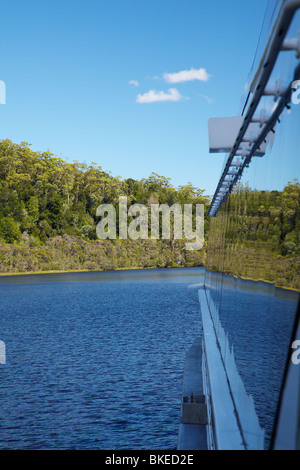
{"points": [[257, 235], [48, 215], [48, 222]]}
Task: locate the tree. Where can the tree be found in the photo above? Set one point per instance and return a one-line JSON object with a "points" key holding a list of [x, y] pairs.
{"points": [[9, 230]]}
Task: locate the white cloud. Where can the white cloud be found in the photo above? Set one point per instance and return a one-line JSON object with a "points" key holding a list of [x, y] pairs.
{"points": [[207, 98], [133, 82], [187, 75], [153, 96]]}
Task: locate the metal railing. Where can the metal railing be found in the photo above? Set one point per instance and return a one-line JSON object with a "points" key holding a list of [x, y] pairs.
{"points": [[259, 88]]}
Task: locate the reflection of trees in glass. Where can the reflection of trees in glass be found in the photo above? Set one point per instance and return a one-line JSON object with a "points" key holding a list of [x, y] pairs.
{"points": [[256, 235]]}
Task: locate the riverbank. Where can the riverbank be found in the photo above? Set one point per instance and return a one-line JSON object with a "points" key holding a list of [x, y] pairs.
{"points": [[133, 268], [255, 262], [69, 254], [74, 254], [83, 271]]}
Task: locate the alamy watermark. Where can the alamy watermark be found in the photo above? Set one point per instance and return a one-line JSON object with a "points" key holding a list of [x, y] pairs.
{"points": [[296, 354], [296, 92], [2, 352], [160, 218], [2, 92]]}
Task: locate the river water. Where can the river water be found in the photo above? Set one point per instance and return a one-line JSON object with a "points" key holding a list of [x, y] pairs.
{"points": [[96, 360]]}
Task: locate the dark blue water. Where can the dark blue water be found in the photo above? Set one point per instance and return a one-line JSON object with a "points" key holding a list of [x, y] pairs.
{"points": [[95, 360], [258, 319]]}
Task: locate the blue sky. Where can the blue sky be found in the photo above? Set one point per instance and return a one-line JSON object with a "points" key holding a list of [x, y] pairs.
{"points": [[128, 84]]}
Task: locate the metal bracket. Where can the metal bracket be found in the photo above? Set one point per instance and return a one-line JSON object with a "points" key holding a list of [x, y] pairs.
{"points": [[259, 87], [292, 44]]}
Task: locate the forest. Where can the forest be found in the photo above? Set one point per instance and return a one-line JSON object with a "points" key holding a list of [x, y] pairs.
{"points": [[256, 235], [48, 215], [48, 222]]}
